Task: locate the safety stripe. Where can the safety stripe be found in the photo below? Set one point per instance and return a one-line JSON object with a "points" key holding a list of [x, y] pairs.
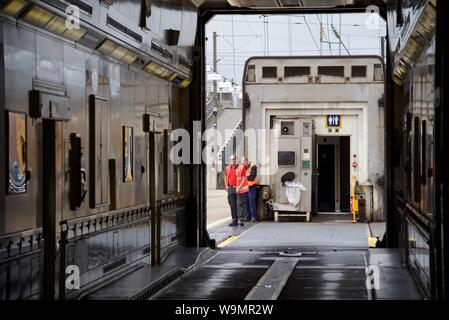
{"points": [[227, 241]]}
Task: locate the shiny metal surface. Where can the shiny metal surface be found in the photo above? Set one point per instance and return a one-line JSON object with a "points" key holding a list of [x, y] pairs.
{"points": [[36, 59], [232, 274]]}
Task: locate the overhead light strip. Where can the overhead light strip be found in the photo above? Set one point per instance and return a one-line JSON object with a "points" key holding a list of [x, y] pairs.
{"points": [[110, 48], [160, 71], [45, 19], [419, 39], [13, 7], [51, 22]]}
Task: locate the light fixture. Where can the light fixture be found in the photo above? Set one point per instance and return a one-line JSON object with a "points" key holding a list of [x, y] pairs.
{"points": [[51, 22], [110, 48], [418, 40], [172, 77], [13, 7], [130, 57], [37, 16], [56, 25], [157, 70], [74, 34], [184, 83]]}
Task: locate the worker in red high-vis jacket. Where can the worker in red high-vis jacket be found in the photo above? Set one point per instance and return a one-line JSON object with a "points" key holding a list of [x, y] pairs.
{"points": [[230, 181], [242, 189]]}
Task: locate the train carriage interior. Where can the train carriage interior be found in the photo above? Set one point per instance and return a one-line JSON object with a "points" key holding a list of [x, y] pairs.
{"points": [[223, 149]]}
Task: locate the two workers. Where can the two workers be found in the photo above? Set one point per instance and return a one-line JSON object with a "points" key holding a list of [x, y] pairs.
{"points": [[240, 181]]}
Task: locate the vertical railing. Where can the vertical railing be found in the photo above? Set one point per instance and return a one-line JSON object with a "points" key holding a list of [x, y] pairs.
{"points": [[20, 259]]}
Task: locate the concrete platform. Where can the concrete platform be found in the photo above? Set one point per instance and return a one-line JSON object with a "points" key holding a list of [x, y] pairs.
{"points": [[377, 229], [270, 234], [396, 282]]}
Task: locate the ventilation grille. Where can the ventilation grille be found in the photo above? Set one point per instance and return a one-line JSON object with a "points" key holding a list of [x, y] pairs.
{"points": [[162, 51], [117, 25], [159, 285], [81, 4], [290, 3]]}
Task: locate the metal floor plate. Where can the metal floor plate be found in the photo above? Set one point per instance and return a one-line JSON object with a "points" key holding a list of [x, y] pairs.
{"points": [[329, 274]]}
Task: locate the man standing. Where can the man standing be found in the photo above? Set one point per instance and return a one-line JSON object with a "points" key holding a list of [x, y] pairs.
{"points": [[230, 181], [251, 203], [242, 189]]}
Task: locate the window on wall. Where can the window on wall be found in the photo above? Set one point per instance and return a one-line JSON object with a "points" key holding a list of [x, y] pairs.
{"points": [[296, 71], [16, 139], [333, 71], [251, 73], [269, 72], [128, 154], [358, 71], [378, 72], [98, 151]]}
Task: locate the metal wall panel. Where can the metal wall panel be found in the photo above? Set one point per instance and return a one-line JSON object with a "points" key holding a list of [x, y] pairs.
{"points": [[21, 210]]}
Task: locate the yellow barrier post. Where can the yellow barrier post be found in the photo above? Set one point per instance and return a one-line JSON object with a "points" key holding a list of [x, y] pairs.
{"points": [[354, 201]]}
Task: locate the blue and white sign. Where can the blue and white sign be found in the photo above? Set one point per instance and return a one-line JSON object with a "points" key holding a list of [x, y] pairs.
{"points": [[333, 121]]}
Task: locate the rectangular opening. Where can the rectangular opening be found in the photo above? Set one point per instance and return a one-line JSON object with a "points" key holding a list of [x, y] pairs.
{"points": [[345, 173], [332, 174], [269, 72], [378, 72], [333, 71], [358, 71], [326, 178], [120, 27], [296, 71], [251, 74]]}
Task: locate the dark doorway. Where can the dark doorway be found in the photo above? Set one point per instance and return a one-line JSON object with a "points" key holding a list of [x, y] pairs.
{"points": [[345, 183], [326, 177]]}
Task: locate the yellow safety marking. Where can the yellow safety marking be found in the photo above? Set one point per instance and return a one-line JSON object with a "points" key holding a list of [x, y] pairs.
{"points": [[372, 242], [227, 241]]}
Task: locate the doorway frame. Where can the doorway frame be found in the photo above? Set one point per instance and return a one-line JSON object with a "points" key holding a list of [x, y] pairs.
{"points": [[337, 168]]}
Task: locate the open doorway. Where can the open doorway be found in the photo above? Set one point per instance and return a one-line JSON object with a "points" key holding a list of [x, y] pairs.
{"points": [[256, 70], [332, 174]]}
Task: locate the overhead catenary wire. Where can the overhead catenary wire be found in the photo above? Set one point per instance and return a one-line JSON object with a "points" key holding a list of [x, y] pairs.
{"points": [[285, 42]]}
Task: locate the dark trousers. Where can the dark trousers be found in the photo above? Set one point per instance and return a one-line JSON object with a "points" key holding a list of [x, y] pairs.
{"points": [[251, 204], [241, 206], [232, 200]]}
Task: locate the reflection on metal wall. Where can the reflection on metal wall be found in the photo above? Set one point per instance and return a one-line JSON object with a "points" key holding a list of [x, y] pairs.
{"points": [[98, 99], [172, 223], [419, 254]]}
